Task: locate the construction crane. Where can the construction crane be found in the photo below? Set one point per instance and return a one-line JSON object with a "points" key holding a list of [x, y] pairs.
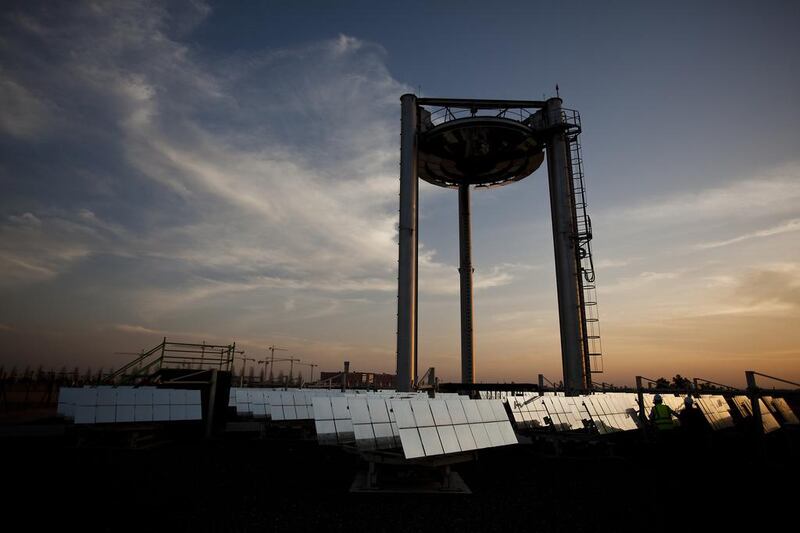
{"points": [[244, 364], [291, 361], [272, 349], [312, 366]]}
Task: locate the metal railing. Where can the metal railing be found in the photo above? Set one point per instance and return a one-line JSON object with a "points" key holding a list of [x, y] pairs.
{"points": [[181, 355]]}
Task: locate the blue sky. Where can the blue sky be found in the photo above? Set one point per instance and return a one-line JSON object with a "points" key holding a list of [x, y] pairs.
{"points": [[228, 171]]}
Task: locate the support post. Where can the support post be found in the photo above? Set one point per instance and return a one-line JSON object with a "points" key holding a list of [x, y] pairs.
{"points": [[416, 281], [465, 273], [541, 384], [755, 405], [212, 399], [372, 475], [640, 399], [344, 375], [567, 268], [407, 263]]}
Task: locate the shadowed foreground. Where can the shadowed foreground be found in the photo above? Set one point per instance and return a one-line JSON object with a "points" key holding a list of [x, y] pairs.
{"points": [[289, 485]]}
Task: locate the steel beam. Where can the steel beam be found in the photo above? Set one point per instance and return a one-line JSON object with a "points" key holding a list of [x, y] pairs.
{"points": [[477, 103], [407, 263], [465, 272], [567, 268]]}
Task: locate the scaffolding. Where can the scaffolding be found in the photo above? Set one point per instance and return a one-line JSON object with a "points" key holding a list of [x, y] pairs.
{"points": [[176, 355]]}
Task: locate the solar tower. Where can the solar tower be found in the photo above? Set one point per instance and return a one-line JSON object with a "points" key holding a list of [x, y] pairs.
{"points": [[473, 144]]}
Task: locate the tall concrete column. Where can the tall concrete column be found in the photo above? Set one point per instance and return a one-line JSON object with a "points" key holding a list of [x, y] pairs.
{"points": [[407, 263], [567, 268], [465, 273], [415, 374]]}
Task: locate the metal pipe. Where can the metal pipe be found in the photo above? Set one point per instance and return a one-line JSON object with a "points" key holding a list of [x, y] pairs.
{"points": [[776, 379], [171, 343], [567, 269], [407, 229], [465, 273]]}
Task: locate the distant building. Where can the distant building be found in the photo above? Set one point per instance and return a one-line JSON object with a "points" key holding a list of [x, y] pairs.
{"points": [[360, 380]]}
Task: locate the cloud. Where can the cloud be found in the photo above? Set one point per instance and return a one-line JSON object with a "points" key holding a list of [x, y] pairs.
{"points": [[775, 192], [23, 115], [769, 290], [128, 328], [638, 281], [38, 248], [612, 263], [436, 278], [173, 180], [785, 227], [776, 285], [269, 199]]}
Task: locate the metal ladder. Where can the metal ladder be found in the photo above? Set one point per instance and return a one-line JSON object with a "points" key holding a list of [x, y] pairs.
{"points": [[583, 239]]}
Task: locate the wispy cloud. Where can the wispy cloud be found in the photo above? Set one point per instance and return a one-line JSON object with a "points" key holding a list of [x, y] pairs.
{"points": [[612, 263], [24, 115], [779, 284], [38, 248], [132, 328], [270, 172], [636, 282], [236, 187], [785, 227], [776, 192], [437, 278]]}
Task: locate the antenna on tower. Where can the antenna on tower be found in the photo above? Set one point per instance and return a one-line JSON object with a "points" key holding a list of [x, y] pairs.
{"points": [[557, 95]]}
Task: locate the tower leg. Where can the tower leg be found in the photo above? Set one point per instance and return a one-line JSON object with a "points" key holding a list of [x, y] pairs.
{"points": [[415, 373], [407, 263], [465, 271], [567, 268]]}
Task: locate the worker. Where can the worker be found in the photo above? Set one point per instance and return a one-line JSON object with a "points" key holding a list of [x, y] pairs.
{"points": [[694, 425], [661, 415], [691, 418]]}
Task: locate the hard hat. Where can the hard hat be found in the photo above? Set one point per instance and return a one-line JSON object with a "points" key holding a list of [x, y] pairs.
{"points": [[688, 401], [657, 398]]}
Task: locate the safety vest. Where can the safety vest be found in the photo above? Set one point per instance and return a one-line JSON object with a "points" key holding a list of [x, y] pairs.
{"points": [[662, 418]]}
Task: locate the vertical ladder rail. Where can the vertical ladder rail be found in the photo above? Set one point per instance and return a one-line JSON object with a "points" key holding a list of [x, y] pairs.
{"points": [[583, 237]]}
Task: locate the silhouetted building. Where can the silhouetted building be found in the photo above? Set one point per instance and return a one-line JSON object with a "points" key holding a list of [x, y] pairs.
{"points": [[360, 380]]}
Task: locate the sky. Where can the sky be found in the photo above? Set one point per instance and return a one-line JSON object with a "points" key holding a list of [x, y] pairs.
{"points": [[228, 172]]}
